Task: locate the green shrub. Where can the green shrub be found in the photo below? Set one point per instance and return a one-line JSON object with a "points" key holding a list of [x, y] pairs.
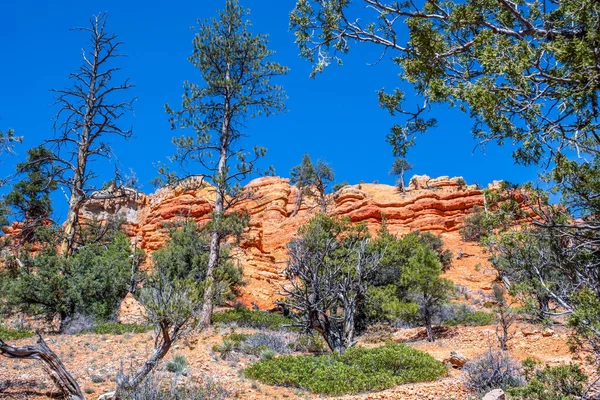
{"points": [[311, 343], [339, 186], [257, 343], [97, 378], [7, 333], [226, 349], [476, 225], [114, 328], [185, 256], [92, 282], [236, 337], [356, 370], [252, 319], [469, 317], [267, 355], [178, 364], [565, 382]]}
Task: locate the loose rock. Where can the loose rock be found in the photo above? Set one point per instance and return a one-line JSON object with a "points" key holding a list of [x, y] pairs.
{"points": [[456, 359], [497, 394]]}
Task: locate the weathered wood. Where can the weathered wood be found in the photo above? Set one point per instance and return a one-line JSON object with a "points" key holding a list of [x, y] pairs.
{"points": [[51, 363]]}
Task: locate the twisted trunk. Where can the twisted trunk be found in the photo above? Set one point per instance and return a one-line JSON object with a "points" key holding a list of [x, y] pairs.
{"points": [[51, 363]]}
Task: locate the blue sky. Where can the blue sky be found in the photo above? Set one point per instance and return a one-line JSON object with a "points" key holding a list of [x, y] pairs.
{"points": [[335, 117]]}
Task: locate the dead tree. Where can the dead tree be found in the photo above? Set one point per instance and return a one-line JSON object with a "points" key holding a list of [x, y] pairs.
{"points": [[51, 363], [171, 305], [87, 116], [505, 317]]}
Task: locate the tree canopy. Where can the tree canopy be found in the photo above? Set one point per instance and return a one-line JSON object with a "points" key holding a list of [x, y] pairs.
{"points": [[525, 72]]}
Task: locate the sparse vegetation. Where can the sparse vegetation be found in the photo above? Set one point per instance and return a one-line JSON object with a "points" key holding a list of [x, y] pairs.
{"points": [[493, 370], [356, 370], [257, 343], [177, 365], [564, 382], [246, 318], [152, 389], [465, 315], [114, 328], [339, 186], [7, 333]]}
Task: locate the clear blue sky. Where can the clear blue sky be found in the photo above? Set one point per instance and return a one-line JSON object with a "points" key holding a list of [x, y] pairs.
{"points": [[335, 117]]}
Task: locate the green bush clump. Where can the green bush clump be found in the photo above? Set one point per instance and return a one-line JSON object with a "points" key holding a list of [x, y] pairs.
{"points": [[114, 328], [92, 281], [356, 370], [465, 316], [311, 343], [7, 333], [178, 365], [252, 319], [256, 344], [565, 382]]}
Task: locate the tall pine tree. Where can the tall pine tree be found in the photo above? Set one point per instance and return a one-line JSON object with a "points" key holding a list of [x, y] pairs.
{"points": [[236, 71]]}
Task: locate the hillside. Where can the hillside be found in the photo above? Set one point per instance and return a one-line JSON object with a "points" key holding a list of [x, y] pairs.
{"points": [[435, 205]]}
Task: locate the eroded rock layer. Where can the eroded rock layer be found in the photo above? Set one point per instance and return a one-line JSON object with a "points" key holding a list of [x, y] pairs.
{"points": [[435, 205]]}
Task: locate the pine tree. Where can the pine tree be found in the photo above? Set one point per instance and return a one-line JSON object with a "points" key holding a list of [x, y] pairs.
{"points": [[312, 181], [236, 71], [302, 176], [399, 168], [29, 199], [8, 140]]}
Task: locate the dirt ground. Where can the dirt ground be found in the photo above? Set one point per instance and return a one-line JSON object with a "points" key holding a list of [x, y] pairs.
{"points": [[95, 359]]}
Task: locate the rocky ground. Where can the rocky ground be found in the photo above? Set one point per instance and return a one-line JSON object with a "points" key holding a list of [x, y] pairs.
{"points": [[95, 359]]}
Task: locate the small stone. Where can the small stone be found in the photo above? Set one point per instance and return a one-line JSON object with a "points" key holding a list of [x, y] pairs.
{"points": [[530, 333], [548, 332], [497, 394], [456, 359]]}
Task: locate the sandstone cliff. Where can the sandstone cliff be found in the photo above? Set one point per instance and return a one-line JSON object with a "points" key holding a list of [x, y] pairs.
{"points": [[436, 205]]}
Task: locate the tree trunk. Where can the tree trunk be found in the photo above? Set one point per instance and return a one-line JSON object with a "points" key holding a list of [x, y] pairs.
{"points": [[213, 261], [322, 198], [72, 220], [51, 363], [298, 202], [77, 188], [219, 212], [125, 383], [75, 203], [429, 328], [402, 182]]}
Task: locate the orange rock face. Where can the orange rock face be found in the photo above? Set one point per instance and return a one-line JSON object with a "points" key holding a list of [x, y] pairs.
{"points": [[436, 205]]}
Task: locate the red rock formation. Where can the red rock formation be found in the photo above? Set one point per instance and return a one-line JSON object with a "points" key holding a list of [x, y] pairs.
{"points": [[436, 205]]}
